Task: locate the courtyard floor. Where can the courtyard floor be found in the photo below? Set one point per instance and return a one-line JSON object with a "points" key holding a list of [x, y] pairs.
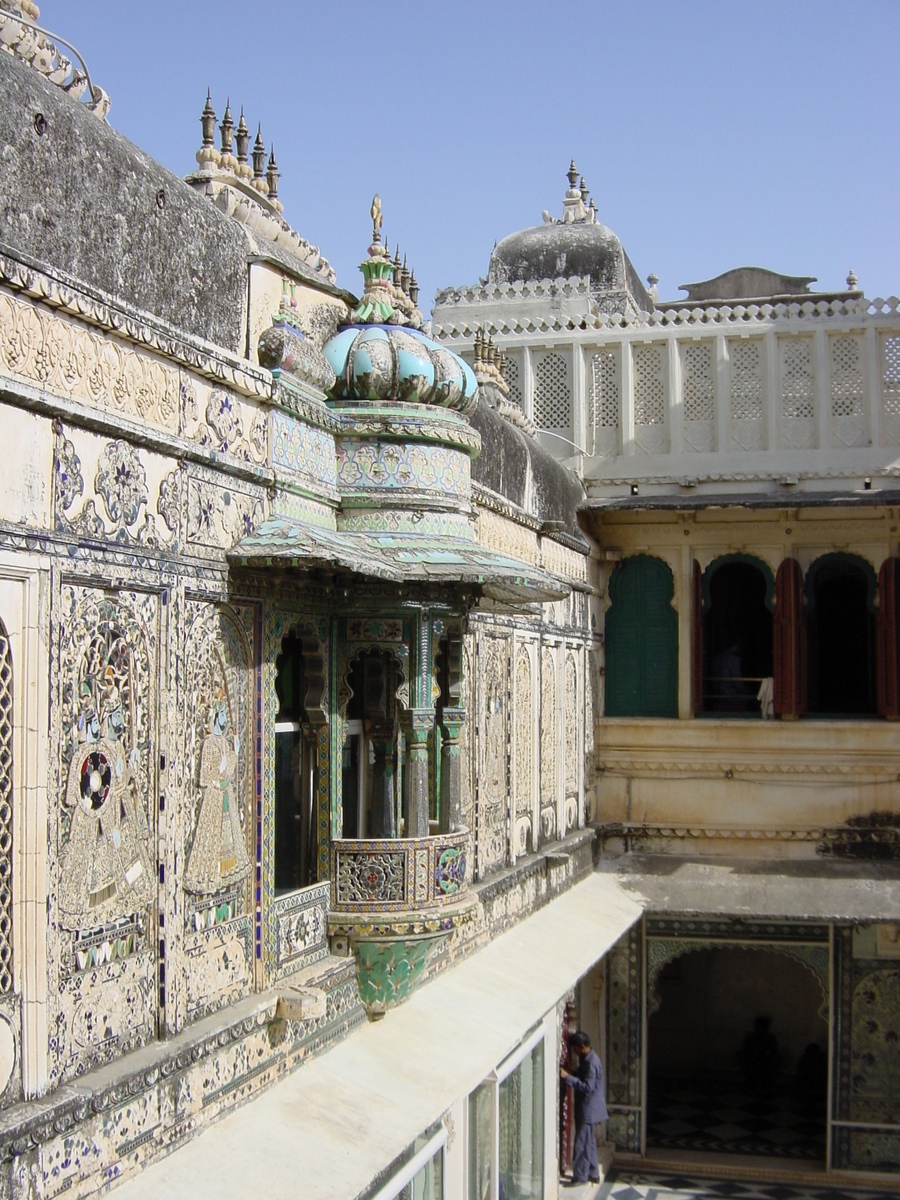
{"points": [[625, 1183]]}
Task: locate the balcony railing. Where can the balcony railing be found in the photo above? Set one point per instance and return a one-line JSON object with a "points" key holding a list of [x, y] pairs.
{"points": [[398, 874]]}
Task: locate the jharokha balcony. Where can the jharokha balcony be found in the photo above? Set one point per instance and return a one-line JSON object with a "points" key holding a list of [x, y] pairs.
{"points": [[393, 903]]}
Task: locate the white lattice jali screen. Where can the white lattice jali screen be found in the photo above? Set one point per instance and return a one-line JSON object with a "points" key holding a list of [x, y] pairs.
{"points": [[699, 396], [798, 398], [650, 399], [6, 738], [552, 393], [605, 398], [847, 391], [514, 378], [890, 382], [745, 394]]}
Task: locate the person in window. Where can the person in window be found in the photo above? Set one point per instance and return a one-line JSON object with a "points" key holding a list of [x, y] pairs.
{"points": [[590, 1109], [728, 686]]}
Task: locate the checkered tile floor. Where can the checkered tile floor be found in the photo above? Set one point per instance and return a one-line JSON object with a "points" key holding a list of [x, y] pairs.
{"points": [[731, 1121], [625, 1184]]}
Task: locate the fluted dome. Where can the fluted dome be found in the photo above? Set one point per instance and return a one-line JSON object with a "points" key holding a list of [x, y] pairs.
{"points": [[379, 363]]}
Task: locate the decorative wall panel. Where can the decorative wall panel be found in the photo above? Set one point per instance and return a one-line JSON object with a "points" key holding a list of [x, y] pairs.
{"points": [[549, 788], [105, 825], [698, 396], [625, 1046], [848, 422], [524, 830], [215, 819], [492, 724]]}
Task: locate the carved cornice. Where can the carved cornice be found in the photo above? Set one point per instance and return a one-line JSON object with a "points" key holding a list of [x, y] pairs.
{"points": [[57, 290]]}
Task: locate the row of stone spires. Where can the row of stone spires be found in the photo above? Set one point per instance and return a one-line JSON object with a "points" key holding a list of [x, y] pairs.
{"points": [[261, 176], [487, 354], [403, 277]]}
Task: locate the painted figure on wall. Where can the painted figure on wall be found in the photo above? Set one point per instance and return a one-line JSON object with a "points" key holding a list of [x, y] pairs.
{"points": [[218, 856], [105, 868]]}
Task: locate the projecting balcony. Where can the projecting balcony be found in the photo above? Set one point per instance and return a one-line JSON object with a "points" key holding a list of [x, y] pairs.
{"points": [[405, 886], [393, 902]]}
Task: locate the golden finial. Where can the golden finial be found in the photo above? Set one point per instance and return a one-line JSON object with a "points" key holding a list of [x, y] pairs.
{"points": [[377, 219]]}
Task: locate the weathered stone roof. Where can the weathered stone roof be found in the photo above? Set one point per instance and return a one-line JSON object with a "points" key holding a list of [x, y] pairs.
{"points": [[76, 193]]}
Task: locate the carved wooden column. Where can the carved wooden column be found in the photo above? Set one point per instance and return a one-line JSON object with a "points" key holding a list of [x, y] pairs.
{"points": [[419, 725], [452, 721], [382, 821]]}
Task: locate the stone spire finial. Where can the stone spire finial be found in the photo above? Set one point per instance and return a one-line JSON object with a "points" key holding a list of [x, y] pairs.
{"points": [[404, 278], [584, 191], [208, 121], [208, 152], [259, 163], [377, 219], [413, 288], [572, 174], [227, 130], [242, 138], [852, 281], [397, 266], [272, 174]]}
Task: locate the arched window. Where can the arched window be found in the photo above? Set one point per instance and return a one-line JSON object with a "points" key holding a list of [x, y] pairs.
{"points": [[738, 596], [840, 604], [641, 641]]}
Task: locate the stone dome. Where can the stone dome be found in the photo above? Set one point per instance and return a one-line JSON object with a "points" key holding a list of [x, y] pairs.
{"points": [[573, 246], [379, 363]]}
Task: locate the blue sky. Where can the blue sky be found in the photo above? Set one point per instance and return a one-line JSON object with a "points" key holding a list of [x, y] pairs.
{"points": [[711, 135]]}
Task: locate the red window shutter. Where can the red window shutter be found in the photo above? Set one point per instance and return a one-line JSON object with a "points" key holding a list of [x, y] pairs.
{"points": [[886, 630], [697, 641], [789, 641]]}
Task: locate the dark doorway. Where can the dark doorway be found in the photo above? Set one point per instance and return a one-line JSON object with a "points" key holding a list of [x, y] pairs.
{"points": [[841, 635], [721, 1081], [737, 639]]}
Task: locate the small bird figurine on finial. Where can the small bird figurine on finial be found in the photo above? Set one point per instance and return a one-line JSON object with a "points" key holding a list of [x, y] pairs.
{"points": [[377, 219]]}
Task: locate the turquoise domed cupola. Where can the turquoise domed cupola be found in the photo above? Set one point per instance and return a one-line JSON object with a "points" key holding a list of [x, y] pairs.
{"points": [[383, 355]]}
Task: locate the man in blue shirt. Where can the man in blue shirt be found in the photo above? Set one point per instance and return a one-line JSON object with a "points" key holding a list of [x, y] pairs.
{"points": [[590, 1108]]}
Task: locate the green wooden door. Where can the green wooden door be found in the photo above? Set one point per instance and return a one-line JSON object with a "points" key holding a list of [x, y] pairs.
{"points": [[641, 641]]}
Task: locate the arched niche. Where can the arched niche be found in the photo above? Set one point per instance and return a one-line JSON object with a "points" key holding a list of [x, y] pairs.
{"points": [[662, 951]]}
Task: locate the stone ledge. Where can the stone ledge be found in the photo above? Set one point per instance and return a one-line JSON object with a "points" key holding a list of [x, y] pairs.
{"points": [[31, 1123]]}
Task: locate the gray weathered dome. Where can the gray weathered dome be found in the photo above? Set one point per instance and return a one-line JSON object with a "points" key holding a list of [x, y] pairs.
{"points": [[573, 247]]}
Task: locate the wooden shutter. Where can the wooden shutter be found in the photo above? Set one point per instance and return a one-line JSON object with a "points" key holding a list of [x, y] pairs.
{"points": [[789, 641], [697, 641], [886, 641]]}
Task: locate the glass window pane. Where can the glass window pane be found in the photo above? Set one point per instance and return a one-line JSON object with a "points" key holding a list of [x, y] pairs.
{"points": [[480, 1143], [522, 1129]]}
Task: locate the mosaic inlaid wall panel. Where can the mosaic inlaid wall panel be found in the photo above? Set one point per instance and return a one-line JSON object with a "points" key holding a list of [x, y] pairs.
{"points": [[549, 747], [108, 489], [572, 722], [867, 1054], [492, 726], [215, 818], [625, 1040], [69, 359], [103, 923], [219, 512], [304, 451], [10, 1017], [362, 465], [525, 758]]}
